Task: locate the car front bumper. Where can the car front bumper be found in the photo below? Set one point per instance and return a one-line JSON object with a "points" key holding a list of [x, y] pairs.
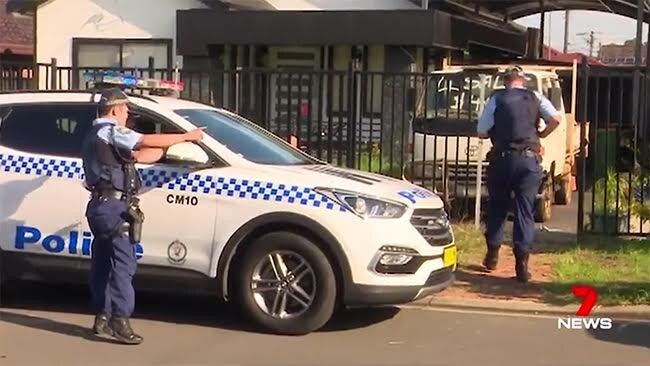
{"points": [[373, 295]]}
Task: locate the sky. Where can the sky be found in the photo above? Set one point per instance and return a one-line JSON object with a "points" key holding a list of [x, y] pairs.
{"points": [[608, 28]]}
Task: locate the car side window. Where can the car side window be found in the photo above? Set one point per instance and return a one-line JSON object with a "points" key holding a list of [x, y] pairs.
{"points": [[52, 129], [148, 123]]}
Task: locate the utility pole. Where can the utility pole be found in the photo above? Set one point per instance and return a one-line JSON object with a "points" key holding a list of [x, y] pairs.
{"points": [[566, 31], [591, 41], [542, 28], [550, 34]]}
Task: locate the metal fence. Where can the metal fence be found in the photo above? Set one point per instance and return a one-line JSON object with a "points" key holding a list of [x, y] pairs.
{"points": [[398, 124], [614, 184], [417, 126]]}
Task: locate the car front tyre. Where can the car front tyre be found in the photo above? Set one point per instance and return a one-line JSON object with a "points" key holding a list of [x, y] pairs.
{"points": [[286, 284]]}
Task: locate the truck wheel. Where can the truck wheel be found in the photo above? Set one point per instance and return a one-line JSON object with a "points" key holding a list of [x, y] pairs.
{"points": [[544, 204], [563, 194], [286, 284]]}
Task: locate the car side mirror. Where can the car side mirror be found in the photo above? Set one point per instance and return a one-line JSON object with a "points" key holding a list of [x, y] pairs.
{"points": [[187, 152]]}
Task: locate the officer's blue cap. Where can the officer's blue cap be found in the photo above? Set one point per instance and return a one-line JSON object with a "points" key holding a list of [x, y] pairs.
{"points": [[111, 97]]}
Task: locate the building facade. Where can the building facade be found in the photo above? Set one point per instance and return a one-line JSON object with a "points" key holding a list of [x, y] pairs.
{"points": [[621, 54], [16, 36]]}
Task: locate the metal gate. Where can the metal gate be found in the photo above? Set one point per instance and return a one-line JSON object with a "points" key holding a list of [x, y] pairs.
{"points": [[613, 179]]}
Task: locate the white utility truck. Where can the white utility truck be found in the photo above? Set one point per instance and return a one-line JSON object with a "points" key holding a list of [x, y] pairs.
{"points": [[447, 151]]}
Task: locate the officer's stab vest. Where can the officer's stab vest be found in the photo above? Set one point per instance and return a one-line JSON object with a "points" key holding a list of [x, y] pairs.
{"points": [[516, 119], [107, 167]]}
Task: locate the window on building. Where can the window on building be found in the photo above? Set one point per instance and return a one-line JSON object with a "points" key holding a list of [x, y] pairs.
{"points": [[125, 54], [54, 129]]}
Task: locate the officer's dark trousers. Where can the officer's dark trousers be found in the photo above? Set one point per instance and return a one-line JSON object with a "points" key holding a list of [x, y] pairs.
{"points": [[113, 262], [519, 173]]}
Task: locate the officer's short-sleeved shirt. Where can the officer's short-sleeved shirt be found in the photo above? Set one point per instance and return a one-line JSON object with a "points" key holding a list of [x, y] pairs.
{"points": [[118, 136], [486, 121]]}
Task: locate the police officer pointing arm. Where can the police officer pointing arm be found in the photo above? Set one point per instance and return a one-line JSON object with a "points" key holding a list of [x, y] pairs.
{"points": [[510, 121], [110, 152]]}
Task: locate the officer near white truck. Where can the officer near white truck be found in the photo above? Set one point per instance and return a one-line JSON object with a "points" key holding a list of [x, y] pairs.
{"points": [[510, 120], [110, 152]]}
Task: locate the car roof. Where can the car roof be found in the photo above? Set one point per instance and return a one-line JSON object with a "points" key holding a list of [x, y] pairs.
{"points": [[54, 96], [176, 103]]}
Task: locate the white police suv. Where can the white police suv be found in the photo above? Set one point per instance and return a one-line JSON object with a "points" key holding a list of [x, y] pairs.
{"points": [[242, 215]]}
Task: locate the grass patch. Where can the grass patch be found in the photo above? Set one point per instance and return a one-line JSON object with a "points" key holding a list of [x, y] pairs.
{"points": [[619, 269], [470, 243], [371, 163]]}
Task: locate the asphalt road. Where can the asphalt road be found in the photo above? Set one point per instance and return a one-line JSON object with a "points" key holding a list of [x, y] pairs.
{"points": [[50, 326]]}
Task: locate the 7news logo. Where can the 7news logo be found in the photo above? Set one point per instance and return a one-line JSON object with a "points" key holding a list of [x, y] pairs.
{"points": [[583, 321]]}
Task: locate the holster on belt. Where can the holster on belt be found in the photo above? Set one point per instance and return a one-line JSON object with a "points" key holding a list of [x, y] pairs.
{"points": [[134, 217]]}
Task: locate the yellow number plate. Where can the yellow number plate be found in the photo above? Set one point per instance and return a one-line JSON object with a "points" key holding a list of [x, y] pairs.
{"points": [[449, 256]]}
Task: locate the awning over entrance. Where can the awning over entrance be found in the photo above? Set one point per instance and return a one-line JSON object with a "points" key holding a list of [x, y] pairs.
{"points": [[199, 28], [513, 9]]}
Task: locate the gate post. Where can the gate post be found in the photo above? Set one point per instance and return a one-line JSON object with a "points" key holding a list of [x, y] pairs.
{"points": [[53, 80], [350, 157], [582, 119]]}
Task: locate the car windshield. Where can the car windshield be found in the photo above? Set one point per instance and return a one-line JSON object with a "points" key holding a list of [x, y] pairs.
{"points": [[245, 138], [459, 95]]}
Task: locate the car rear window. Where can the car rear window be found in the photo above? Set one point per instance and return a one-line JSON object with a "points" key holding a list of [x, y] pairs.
{"points": [[50, 129]]}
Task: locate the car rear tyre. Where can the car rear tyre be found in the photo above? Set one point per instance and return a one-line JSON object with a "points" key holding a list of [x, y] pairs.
{"points": [[286, 284]]}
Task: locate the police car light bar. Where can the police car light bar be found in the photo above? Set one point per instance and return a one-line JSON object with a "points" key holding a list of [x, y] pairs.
{"points": [[131, 81]]}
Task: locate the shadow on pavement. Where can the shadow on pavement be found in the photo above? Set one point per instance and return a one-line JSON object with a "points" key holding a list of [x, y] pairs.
{"points": [[359, 318], [176, 309], [50, 325], [624, 332], [496, 287]]}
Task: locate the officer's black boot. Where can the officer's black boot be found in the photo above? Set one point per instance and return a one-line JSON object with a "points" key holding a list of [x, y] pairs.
{"points": [[122, 331], [521, 267], [101, 327], [491, 258]]}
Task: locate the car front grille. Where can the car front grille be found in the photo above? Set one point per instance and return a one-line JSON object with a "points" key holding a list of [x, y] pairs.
{"points": [[432, 224]]}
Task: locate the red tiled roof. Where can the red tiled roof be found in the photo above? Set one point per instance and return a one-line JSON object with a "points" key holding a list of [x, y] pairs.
{"points": [[557, 55], [16, 33]]}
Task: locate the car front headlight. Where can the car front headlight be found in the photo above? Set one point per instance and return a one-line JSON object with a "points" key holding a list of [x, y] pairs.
{"points": [[364, 205]]}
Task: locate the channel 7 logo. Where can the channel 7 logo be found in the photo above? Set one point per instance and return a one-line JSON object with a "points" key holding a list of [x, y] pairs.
{"points": [[589, 297]]}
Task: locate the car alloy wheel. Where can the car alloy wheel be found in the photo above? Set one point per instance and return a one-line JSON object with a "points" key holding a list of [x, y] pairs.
{"points": [[283, 284]]}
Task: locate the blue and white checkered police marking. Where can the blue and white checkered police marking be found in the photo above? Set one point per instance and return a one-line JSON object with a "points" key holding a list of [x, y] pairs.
{"points": [[171, 180], [40, 166], [239, 188]]}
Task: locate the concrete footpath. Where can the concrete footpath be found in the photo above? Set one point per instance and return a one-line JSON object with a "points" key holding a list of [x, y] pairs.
{"points": [[636, 312]]}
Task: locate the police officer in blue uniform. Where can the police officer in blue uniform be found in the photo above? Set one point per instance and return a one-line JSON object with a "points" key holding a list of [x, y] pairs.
{"points": [[110, 152], [510, 119]]}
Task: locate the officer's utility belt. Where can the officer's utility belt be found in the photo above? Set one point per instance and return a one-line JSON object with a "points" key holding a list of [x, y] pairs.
{"points": [[109, 192], [530, 153]]}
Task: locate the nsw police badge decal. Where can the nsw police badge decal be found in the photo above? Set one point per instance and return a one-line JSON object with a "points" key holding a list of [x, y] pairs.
{"points": [[176, 252]]}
